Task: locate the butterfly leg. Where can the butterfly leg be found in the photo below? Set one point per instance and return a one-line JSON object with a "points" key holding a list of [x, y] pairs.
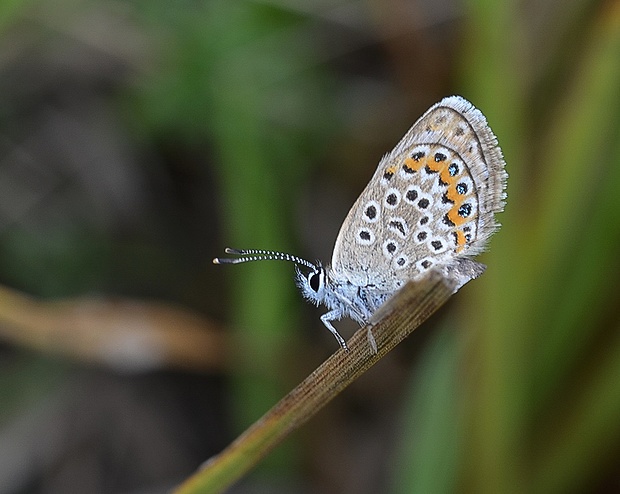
{"points": [[326, 319], [371, 339], [330, 316]]}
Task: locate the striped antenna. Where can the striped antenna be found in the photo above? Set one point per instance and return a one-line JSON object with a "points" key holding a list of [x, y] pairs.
{"points": [[248, 255]]}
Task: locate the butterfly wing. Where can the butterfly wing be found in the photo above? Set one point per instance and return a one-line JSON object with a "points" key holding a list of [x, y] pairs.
{"points": [[431, 201]]}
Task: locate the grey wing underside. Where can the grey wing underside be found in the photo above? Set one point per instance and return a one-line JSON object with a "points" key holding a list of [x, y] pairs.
{"points": [[362, 254]]}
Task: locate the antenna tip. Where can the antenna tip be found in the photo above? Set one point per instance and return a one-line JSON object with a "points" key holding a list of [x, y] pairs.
{"points": [[225, 260]]}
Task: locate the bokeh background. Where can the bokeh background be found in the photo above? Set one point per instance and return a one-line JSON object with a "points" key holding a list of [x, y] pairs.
{"points": [[139, 138]]}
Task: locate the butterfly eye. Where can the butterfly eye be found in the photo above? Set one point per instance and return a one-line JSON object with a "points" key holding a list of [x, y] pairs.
{"points": [[315, 280]]}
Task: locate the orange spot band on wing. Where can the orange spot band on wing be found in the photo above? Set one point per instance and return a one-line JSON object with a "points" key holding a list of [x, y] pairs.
{"points": [[436, 166], [414, 165], [455, 217], [453, 195], [460, 240], [445, 176]]}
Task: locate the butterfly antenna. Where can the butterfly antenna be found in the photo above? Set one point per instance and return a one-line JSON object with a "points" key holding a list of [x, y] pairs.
{"points": [[248, 255]]}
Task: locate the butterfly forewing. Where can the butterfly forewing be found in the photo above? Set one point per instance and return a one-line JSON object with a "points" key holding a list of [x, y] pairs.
{"points": [[431, 200]]}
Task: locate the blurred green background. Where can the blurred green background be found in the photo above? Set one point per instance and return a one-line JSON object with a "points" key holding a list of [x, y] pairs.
{"points": [[138, 139]]}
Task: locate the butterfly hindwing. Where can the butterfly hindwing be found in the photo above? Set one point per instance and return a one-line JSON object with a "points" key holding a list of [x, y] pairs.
{"points": [[430, 202]]}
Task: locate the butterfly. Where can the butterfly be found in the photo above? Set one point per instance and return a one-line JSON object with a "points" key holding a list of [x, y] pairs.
{"points": [[430, 204]]}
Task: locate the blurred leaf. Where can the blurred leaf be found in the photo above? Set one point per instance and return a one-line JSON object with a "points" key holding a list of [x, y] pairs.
{"points": [[10, 10], [579, 441], [495, 69], [254, 97], [128, 335], [578, 226], [430, 440]]}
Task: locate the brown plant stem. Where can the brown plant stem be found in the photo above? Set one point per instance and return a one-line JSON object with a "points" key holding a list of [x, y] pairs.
{"points": [[392, 323]]}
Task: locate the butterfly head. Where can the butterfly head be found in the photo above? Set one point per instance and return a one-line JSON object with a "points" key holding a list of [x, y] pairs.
{"points": [[314, 285]]}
